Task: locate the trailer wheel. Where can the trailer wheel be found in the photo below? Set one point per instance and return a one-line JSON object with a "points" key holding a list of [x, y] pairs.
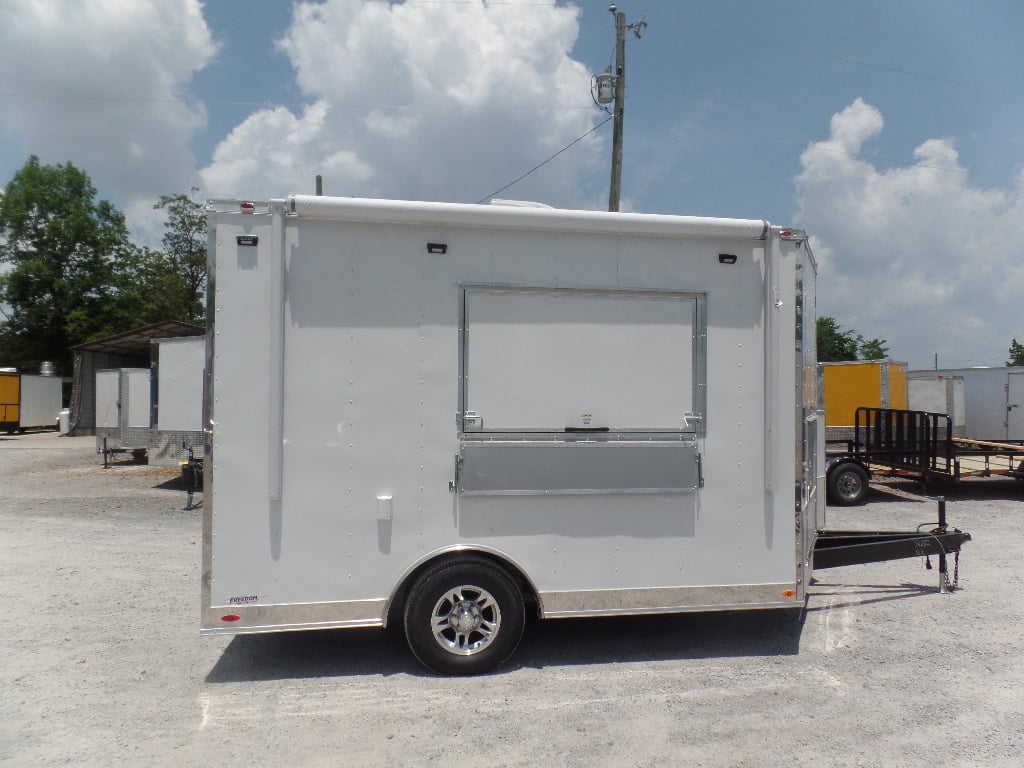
{"points": [[847, 484], [464, 617]]}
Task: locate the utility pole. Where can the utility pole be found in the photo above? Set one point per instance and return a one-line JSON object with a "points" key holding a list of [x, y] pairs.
{"points": [[620, 107], [618, 83]]}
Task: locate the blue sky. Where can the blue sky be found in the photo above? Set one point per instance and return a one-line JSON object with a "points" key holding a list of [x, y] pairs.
{"points": [[889, 130]]}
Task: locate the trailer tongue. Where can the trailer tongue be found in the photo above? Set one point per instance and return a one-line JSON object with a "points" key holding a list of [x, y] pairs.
{"points": [[834, 549]]}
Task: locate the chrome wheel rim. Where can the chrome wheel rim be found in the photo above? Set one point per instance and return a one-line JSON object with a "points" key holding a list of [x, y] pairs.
{"points": [[465, 620], [849, 485]]}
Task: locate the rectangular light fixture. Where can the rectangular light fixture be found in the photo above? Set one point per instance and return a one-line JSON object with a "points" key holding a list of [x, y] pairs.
{"points": [[437, 247]]}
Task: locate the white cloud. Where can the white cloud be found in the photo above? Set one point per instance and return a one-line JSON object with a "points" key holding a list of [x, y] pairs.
{"points": [[437, 101], [101, 83], [913, 254]]}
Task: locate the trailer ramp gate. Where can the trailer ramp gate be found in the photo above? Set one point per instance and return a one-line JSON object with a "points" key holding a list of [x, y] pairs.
{"points": [[921, 445], [914, 441]]}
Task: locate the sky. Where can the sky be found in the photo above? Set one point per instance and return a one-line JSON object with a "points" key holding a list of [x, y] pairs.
{"points": [[891, 130]]}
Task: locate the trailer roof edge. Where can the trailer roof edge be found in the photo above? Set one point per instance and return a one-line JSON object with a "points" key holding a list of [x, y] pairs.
{"points": [[549, 219]]}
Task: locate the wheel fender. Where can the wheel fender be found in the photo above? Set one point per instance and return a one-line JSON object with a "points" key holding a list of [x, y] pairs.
{"points": [[839, 461], [502, 559]]}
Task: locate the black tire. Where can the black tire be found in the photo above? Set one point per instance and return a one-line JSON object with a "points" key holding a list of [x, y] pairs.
{"points": [[847, 484], [464, 616]]}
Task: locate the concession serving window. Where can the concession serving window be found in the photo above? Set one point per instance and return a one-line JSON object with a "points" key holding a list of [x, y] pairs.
{"points": [[567, 390]]}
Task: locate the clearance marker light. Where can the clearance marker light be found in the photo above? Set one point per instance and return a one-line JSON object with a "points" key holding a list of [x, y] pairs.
{"points": [[789, 593], [248, 207], [230, 617]]}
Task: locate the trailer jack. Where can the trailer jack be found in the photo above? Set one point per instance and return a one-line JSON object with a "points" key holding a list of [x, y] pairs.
{"points": [[191, 476], [834, 549]]}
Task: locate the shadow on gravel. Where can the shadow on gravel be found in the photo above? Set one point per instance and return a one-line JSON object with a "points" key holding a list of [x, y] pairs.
{"points": [[567, 642], [554, 643], [176, 483], [969, 489], [319, 653], [865, 594]]}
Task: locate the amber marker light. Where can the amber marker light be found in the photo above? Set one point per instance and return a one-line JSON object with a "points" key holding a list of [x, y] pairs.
{"points": [[789, 593]]}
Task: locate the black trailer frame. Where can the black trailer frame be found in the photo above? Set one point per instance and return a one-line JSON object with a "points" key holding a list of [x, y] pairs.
{"points": [[834, 549]]}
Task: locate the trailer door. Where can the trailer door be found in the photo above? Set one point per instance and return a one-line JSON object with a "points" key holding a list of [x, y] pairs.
{"points": [[1015, 407], [569, 391], [107, 399], [10, 400]]}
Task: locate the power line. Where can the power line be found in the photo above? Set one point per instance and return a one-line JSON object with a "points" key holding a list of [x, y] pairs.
{"points": [[263, 104], [485, 198]]}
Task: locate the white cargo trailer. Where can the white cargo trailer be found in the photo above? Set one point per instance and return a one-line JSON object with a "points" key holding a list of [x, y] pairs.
{"points": [[440, 415], [993, 401], [122, 411], [177, 407], [939, 393]]}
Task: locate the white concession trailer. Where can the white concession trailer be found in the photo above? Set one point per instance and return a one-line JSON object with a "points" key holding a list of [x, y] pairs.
{"points": [[441, 415]]}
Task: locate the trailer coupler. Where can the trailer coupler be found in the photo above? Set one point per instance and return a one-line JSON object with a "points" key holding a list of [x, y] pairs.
{"points": [[834, 549]]}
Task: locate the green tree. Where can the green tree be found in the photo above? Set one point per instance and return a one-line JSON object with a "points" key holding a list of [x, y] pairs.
{"points": [[1016, 353], [835, 344], [874, 349], [179, 273], [838, 345], [169, 283], [63, 249]]}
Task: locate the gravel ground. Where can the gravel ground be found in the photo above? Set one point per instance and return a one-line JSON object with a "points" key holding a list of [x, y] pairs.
{"points": [[102, 663]]}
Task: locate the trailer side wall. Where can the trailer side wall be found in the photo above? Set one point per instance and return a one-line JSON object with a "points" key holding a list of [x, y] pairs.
{"points": [[330, 495]]}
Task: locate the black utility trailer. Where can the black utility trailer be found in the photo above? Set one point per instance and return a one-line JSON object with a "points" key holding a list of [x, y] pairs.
{"points": [[914, 444]]}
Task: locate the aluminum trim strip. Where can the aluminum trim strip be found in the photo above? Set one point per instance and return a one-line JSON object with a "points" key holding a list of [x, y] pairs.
{"points": [[612, 602], [206, 579], [294, 616], [214, 632]]}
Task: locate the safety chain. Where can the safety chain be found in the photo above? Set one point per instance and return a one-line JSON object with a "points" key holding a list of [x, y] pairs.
{"points": [[947, 584], [955, 583]]}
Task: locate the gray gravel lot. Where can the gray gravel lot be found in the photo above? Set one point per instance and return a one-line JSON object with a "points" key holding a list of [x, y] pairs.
{"points": [[102, 663]]}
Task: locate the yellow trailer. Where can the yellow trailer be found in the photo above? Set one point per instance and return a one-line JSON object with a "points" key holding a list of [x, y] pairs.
{"points": [[862, 384], [10, 401]]}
